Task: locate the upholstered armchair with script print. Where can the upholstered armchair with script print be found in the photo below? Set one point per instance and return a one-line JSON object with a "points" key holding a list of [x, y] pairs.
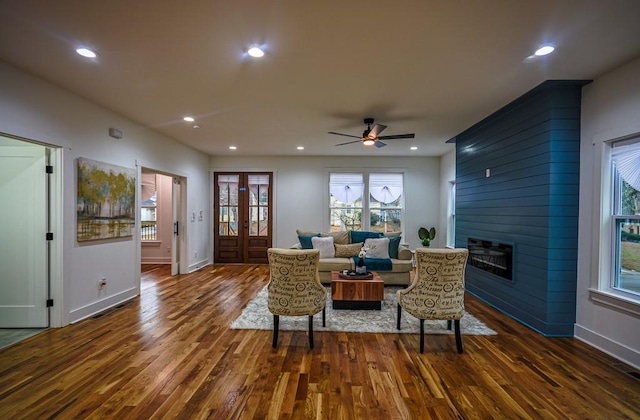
{"points": [[294, 287], [437, 289]]}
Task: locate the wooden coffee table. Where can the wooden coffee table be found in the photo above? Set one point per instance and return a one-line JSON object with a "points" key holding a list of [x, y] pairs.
{"points": [[357, 294]]}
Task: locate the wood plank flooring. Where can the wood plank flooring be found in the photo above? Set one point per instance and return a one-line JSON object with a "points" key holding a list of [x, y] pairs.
{"points": [[170, 354]]}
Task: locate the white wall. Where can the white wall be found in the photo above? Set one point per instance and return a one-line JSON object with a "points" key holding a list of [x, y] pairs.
{"points": [[35, 109], [447, 175], [302, 188], [610, 110]]}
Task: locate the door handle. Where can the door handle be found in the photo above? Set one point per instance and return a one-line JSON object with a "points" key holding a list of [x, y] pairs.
{"points": [[175, 228]]}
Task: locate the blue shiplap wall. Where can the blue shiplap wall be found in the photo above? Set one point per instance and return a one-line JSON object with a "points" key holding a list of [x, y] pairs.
{"points": [[530, 200]]}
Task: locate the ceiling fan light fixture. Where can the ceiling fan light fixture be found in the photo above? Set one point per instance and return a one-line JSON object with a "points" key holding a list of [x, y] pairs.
{"points": [[368, 142]]}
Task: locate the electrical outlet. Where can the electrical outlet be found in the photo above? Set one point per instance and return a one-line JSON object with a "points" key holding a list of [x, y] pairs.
{"points": [[102, 283]]}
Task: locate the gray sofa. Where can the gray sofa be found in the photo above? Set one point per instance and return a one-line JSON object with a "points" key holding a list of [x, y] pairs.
{"points": [[401, 267]]}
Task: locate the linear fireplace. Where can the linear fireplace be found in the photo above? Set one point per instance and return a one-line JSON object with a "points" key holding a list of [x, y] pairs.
{"points": [[493, 257]]}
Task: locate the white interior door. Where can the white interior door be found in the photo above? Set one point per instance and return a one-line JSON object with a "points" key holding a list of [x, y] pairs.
{"points": [[23, 227], [177, 229]]}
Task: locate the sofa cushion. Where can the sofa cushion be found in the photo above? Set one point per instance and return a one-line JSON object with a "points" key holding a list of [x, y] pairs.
{"points": [[377, 248], [341, 237], [307, 233], [401, 266], [305, 241], [392, 234], [350, 250], [325, 245], [335, 264], [394, 243], [362, 235]]}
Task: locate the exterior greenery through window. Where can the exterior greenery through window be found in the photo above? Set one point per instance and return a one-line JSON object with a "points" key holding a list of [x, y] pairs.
{"points": [[148, 218], [626, 216], [366, 201]]}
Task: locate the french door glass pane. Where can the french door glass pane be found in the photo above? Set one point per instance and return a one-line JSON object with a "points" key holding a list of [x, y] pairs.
{"points": [[228, 204]]}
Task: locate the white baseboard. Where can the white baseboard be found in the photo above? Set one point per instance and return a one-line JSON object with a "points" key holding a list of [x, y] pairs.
{"points": [[198, 265], [606, 345], [156, 260], [87, 311]]}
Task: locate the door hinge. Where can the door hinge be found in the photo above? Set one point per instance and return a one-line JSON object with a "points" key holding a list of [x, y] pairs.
{"points": [[49, 236], [49, 169], [49, 303]]}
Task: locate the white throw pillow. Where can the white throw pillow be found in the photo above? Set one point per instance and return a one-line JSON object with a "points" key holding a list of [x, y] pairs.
{"points": [[377, 247], [325, 245]]}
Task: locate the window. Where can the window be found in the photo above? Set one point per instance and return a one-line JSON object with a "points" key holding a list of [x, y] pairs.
{"points": [[345, 192], [148, 207], [366, 201], [148, 218], [625, 158]]}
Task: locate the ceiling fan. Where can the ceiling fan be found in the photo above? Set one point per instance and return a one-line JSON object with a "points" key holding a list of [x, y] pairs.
{"points": [[371, 137]]}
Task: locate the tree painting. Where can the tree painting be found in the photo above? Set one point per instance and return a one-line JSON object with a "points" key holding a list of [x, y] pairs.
{"points": [[106, 200]]}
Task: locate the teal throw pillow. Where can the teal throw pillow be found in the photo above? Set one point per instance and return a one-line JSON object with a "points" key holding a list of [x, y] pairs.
{"points": [[305, 241], [362, 235], [394, 243]]}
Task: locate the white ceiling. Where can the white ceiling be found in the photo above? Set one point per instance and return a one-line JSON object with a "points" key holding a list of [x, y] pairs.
{"points": [[429, 67]]}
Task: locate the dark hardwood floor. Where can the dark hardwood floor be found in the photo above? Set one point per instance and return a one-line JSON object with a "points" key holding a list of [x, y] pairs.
{"points": [[170, 354]]}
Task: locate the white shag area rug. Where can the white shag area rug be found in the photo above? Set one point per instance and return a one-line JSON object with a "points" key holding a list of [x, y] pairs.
{"points": [[256, 316]]}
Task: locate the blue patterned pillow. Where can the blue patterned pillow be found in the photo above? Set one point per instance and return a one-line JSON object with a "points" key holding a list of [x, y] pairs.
{"points": [[362, 235], [305, 241]]}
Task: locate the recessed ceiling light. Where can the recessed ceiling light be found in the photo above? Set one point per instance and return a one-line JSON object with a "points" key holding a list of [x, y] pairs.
{"points": [[300, 147], [188, 119], [232, 147], [85, 52], [544, 50], [255, 52], [414, 148], [196, 126]]}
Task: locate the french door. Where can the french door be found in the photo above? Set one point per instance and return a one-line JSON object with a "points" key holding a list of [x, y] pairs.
{"points": [[242, 217]]}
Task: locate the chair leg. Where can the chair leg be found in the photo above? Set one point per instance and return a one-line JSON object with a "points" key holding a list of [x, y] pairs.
{"points": [[458, 336], [324, 317], [310, 331], [399, 315], [421, 335], [276, 322], [449, 324]]}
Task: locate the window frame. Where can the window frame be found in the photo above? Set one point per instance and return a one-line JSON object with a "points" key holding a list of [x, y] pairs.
{"points": [[365, 220], [605, 249]]}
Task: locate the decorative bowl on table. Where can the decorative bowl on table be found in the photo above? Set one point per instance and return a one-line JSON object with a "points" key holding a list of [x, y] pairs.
{"points": [[352, 275]]}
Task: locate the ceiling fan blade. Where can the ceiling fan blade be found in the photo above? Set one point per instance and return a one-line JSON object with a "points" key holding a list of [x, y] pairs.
{"points": [[379, 144], [346, 135], [349, 142], [398, 136], [377, 129]]}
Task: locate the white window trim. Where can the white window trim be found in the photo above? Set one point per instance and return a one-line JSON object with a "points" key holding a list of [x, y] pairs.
{"points": [[365, 196], [603, 247]]}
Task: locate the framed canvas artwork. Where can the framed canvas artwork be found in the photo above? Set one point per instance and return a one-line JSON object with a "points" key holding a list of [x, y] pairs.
{"points": [[106, 200]]}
